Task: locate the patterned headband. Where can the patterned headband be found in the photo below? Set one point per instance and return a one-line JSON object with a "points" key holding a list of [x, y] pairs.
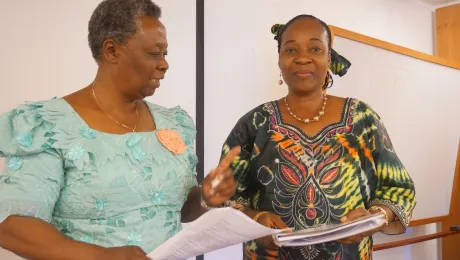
{"points": [[339, 64]]}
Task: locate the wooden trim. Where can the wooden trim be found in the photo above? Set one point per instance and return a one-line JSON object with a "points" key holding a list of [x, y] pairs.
{"points": [[455, 188], [425, 221], [415, 240], [393, 47], [448, 32], [450, 244]]}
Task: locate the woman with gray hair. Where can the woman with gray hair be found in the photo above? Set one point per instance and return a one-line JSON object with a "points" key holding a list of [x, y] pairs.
{"points": [[100, 173]]}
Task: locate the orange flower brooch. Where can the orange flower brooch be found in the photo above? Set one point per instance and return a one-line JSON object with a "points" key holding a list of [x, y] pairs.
{"points": [[171, 140]]}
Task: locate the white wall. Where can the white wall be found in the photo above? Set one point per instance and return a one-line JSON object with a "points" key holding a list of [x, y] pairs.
{"points": [[240, 24], [45, 53]]}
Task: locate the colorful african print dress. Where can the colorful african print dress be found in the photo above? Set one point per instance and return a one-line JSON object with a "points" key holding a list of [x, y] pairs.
{"points": [[315, 180]]}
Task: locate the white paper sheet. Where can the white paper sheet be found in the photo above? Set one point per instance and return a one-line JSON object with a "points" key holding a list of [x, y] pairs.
{"points": [[331, 232], [216, 229], [220, 228]]}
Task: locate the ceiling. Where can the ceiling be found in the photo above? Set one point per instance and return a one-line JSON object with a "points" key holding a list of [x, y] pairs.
{"points": [[438, 2]]}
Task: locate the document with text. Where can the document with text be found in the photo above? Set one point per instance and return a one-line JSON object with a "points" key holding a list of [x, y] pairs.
{"points": [[216, 229], [223, 227]]}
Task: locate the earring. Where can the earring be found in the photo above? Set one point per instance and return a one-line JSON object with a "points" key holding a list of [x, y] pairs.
{"points": [[281, 79], [328, 82]]}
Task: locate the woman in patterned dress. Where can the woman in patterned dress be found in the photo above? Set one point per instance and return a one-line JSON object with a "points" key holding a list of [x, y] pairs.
{"points": [[102, 174], [310, 158]]}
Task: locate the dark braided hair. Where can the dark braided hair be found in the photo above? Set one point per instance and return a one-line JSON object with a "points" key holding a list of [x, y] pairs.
{"points": [[279, 30]]}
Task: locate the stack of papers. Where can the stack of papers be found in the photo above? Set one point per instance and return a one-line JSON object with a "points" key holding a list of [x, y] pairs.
{"points": [[223, 227], [331, 232]]}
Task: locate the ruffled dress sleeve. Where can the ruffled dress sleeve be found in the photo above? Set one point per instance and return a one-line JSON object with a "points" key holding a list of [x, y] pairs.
{"points": [[33, 175], [186, 128]]}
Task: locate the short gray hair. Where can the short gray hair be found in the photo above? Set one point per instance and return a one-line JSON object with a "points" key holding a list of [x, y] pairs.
{"points": [[117, 20]]}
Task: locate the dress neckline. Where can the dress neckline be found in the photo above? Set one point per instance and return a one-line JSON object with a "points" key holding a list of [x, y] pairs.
{"points": [[81, 120], [324, 130]]}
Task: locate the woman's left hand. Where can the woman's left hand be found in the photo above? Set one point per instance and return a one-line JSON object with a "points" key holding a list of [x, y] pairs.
{"points": [[222, 176], [354, 214]]}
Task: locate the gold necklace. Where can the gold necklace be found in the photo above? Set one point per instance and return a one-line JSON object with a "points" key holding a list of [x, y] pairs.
{"points": [[123, 125], [308, 120]]}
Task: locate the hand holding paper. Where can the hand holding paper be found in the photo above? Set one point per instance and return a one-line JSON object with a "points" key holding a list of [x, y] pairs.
{"points": [[122, 253], [223, 227], [216, 229], [330, 232], [272, 221], [355, 214]]}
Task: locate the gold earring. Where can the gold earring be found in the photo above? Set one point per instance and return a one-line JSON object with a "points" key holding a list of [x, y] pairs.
{"points": [[329, 81], [281, 79]]}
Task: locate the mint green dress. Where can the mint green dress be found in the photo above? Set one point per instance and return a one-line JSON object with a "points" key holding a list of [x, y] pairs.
{"points": [[105, 189]]}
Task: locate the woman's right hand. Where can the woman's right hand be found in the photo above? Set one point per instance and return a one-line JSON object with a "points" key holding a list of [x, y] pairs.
{"points": [[272, 221], [123, 253]]}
